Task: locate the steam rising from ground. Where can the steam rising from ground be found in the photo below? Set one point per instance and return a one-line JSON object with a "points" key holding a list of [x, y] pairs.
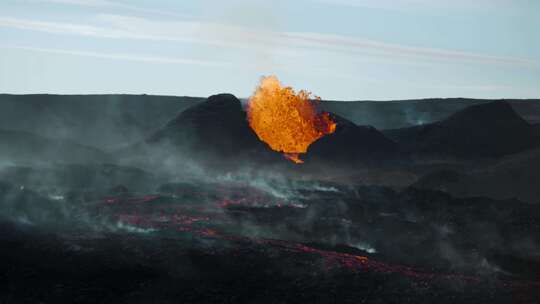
{"points": [[264, 204], [373, 220]]}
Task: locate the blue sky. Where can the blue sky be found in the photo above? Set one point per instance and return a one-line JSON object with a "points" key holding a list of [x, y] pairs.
{"points": [[338, 49]]}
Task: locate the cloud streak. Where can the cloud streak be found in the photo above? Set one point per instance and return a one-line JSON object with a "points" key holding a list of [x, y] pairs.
{"points": [[124, 57], [111, 5], [418, 4], [404, 51], [224, 35]]}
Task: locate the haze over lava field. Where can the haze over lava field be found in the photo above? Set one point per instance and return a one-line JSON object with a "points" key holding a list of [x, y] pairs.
{"points": [[137, 199], [336, 151]]}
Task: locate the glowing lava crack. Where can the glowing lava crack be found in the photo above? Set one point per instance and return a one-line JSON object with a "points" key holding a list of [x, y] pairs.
{"points": [[287, 121]]}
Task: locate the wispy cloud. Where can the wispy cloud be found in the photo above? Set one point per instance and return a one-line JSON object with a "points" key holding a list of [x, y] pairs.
{"points": [[224, 35], [124, 57], [419, 4], [112, 5], [398, 50], [126, 27], [77, 2], [64, 28]]}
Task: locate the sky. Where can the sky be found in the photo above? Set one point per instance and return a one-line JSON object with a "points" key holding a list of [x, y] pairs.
{"points": [[337, 49]]}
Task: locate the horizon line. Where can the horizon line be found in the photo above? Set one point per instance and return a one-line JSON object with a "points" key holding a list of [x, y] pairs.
{"points": [[246, 98]]}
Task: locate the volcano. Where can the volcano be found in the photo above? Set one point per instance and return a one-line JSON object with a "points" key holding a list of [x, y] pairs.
{"points": [[218, 129]]}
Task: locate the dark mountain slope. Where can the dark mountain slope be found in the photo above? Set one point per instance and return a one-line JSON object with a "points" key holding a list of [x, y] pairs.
{"points": [[515, 176], [406, 113], [28, 148], [398, 113], [215, 130], [529, 109], [103, 121], [353, 144], [485, 130], [87, 177], [111, 121]]}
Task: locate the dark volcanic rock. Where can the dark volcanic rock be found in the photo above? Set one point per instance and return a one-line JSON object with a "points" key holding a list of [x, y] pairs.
{"points": [[485, 130], [27, 206], [120, 189], [95, 177], [536, 128], [102, 121], [216, 128], [397, 114], [514, 176], [352, 144], [25, 147]]}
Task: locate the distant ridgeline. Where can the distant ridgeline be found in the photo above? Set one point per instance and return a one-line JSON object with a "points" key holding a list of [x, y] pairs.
{"points": [[405, 113], [111, 121], [410, 139], [102, 121]]}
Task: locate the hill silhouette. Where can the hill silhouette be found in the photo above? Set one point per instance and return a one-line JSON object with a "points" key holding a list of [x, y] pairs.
{"points": [[103, 121], [485, 130], [353, 144], [28, 148]]}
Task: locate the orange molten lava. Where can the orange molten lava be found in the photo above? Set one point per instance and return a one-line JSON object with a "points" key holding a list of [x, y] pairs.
{"points": [[287, 121]]}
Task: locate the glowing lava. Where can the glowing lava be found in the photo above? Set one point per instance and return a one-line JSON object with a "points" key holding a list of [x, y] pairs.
{"points": [[287, 121]]}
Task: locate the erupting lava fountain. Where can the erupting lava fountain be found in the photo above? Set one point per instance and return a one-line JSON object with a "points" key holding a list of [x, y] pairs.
{"points": [[287, 121]]}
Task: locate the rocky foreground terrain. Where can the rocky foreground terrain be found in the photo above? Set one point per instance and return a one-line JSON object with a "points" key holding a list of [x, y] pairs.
{"points": [[191, 207]]}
